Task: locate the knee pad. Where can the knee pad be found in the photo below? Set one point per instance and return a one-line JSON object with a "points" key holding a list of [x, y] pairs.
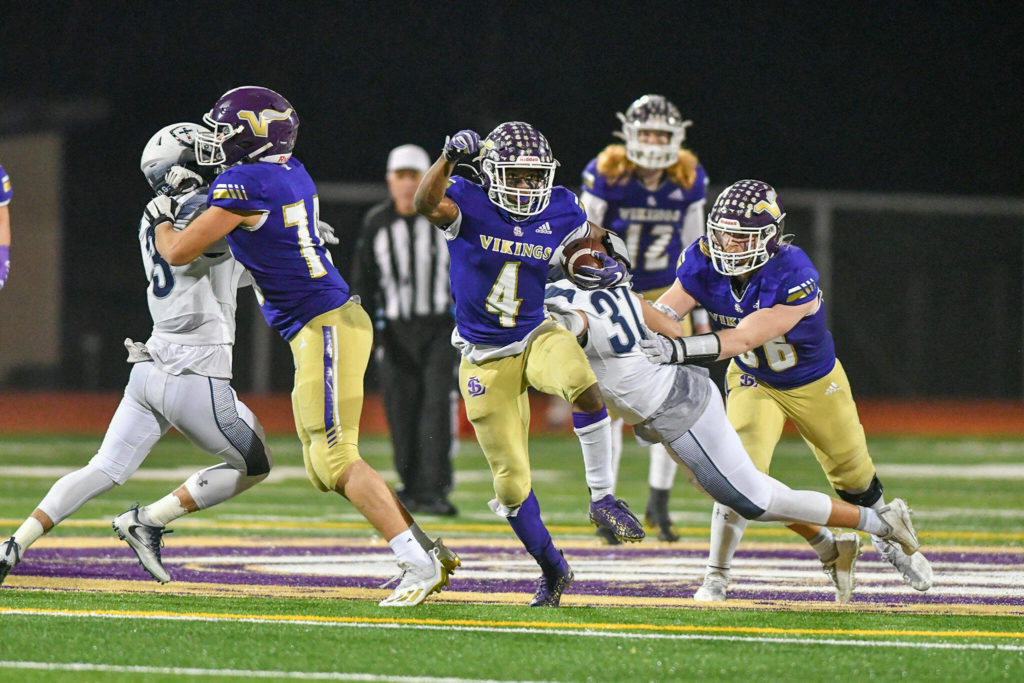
{"points": [[865, 498]]}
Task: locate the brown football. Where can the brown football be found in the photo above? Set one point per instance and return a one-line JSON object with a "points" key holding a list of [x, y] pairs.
{"points": [[578, 253]]}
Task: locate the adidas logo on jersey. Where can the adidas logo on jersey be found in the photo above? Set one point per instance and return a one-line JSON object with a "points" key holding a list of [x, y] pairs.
{"points": [[544, 229], [676, 196], [832, 388]]}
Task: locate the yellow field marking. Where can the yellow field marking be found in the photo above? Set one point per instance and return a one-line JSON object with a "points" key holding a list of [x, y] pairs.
{"points": [[206, 589], [702, 531], [493, 623]]}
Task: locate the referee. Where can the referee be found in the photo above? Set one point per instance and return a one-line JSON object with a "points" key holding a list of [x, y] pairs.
{"points": [[401, 273]]}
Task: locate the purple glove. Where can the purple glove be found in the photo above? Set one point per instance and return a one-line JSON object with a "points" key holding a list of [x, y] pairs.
{"points": [[465, 143], [610, 274], [5, 263]]}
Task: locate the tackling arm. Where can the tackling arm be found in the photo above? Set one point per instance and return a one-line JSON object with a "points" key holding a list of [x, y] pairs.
{"points": [[762, 326], [181, 247]]}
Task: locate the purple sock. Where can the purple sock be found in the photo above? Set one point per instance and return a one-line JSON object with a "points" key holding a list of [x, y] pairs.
{"points": [[531, 531], [580, 420]]}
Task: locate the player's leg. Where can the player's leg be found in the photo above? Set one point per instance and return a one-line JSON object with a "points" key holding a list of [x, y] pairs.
{"points": [[402, 387], [498, 407], [660, 477], [555, 364], [607, 536], [758, 420], [434, 425], [826, 415], [331, 353], [130, 436]]}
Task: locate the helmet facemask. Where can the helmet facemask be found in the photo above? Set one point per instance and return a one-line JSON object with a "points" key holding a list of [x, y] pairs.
{"points": [[652, 112], [210, 145]]}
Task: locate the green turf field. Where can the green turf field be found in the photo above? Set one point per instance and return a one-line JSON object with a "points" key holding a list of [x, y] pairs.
{"points": [[628, 617]]}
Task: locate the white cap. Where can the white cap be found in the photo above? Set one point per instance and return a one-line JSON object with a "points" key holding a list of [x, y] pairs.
{"points": [[408, 157]]}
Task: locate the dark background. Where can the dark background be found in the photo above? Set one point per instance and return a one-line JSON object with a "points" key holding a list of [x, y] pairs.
{"points": [[880, 97]]}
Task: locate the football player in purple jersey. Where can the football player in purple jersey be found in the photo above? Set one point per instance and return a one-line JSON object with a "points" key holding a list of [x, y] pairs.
{"points": [[651, 192], [6, 192], [762, 296], [266, 205], [502, 239]]}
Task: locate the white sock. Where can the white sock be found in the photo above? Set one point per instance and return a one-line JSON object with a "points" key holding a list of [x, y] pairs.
{"points": [[28, 533], [616, 436], [870, 522], [662, 473], [595, 440], [727, 527], [218, 483], [74, 490], [824, 543], [408, 550], [162, 511]]}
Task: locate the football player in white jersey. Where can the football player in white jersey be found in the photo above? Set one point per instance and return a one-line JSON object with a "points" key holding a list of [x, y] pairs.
{"points": [[680, 406], [180, 378]]}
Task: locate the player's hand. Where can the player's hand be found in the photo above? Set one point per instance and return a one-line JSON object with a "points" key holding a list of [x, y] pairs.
{"points": [[664, 351], [161, 209], [611, 273], [326, 232], [464, 144], [181, 179], [5, 263]]}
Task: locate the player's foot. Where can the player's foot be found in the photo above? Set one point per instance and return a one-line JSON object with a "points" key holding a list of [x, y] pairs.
{"points": [[10, 555], [552, 584], [144, 539], [606, 536], [656, 516], [613, 513], [840, 568], [417, 582], [915, 569], [713, 589], [901, 530], [440, 507], [447, 557]]}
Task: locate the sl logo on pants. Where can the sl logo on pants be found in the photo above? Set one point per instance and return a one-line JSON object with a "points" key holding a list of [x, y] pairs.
{"points": [[474, 386]]}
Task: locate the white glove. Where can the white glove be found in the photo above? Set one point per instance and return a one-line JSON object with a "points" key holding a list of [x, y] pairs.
{"points": [[181, 180], [137, 351], [161, 209], [660, 349], [326, 232]]}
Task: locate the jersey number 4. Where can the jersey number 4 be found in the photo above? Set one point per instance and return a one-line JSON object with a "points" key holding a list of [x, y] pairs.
{"points": [[502, 300]]}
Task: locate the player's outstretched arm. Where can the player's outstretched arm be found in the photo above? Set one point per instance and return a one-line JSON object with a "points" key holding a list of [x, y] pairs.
{"points": [[430, 200], [181, 247], [762, 326]]}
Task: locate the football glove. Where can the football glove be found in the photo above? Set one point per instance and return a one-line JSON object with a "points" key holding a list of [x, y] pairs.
{"points": [[465, 143], [326, 232], [5, 263], [611, 273], [699, 350], [181, 180], [161, 209]]}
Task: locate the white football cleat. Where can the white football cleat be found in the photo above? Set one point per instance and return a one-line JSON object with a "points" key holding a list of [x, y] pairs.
{"points": [[840, 569], [417, 582], [713, 589], [901, 530], [915, 569], [145, 540], [10, 555]]}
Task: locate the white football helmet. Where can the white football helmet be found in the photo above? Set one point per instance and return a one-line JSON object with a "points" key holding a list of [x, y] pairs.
{"points": [[652, 112], [172, 146]]}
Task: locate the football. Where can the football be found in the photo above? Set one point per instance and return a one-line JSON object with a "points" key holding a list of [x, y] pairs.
{"points": [[578, 253]]}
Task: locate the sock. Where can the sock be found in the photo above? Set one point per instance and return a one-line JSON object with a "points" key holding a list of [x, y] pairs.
{"points": [[662, 472], [824, 543], [74, 490], [657, 503], [616, 431], [162, 511], [421, 536], [870, 522], [727, 527], [535, 536], [218, 483], [28, 533], [595, 435], [408, 550]]}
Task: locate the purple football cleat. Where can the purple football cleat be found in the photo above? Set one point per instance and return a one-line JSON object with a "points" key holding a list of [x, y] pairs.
{"points": [[552, 584], [613, 513]]}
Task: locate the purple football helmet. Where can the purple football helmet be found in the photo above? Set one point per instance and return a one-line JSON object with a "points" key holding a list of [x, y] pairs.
{"points": [[745, 227], [652, 112], [249, 124], [516, 153]]}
